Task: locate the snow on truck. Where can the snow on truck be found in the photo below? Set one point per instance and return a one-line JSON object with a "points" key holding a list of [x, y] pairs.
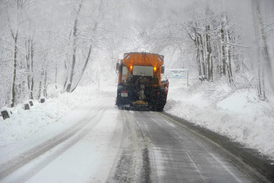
{"points": [[139, 83]]}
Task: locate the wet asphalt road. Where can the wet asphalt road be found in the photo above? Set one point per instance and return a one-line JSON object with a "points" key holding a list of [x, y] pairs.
{"points": [[157, 148]]}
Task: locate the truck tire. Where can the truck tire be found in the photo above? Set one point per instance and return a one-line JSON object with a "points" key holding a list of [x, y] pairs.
{"points": [[160, 109]]}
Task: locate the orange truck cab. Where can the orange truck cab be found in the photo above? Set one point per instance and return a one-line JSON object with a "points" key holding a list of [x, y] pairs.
{"points": [[139, 83]]}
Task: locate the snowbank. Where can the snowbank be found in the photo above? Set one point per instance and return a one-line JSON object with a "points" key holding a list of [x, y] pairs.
{"points": [[24, 123], [238, 114]]}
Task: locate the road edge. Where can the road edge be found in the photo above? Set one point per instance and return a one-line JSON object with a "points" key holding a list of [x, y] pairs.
{"points": [[251, 162]]}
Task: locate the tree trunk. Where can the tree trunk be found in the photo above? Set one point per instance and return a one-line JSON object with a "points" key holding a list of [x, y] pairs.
{"points": [[69, 85], [196, 40], [219, 66], [45, 82], [202, 53], [211, 69], [223, 52], [260, 51], [84, 68], [13, 92], [29, 60], [209, 62], [265, 53], [40, 87], [229, 67], [198, 57]]}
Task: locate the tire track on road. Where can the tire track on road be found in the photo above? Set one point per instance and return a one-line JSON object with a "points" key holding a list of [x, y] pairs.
{"points": [[23, 159], [133, 163], [254, 167]]}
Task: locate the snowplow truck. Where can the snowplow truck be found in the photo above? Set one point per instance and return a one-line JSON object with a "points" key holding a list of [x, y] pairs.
{"points": [[139, 83]]}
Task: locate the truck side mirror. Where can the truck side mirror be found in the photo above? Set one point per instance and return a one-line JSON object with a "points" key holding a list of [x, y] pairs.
{"points": [[117, 66], [162, 69]]}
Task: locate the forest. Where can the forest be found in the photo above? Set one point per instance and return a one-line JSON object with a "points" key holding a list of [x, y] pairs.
{"points": [[74, 42]]}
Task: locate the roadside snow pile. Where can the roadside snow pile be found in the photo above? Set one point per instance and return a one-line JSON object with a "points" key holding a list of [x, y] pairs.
{"points": [[238, 114], [24, 123]]}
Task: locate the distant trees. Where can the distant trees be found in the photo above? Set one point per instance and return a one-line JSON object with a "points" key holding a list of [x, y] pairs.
{"points": [[20, 51], [220, 50], [214, 39], [14, 26], [220, 45], [24, 50], [45, 42], [263, 58]]}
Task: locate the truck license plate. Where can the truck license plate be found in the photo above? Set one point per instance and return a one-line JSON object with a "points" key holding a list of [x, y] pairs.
{"points": [[124, 94]]}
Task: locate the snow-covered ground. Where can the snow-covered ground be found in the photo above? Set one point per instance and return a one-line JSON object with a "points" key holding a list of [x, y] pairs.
{"points": [[238, 114], [24, 123], [88, 160]]}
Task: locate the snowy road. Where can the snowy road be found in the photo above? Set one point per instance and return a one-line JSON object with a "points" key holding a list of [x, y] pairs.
{"points": [[156, 148], [81, 150], [96, 142]]}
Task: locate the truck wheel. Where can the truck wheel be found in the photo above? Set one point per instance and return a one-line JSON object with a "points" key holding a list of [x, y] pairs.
{"points": [[159, 109], [152, 108]]}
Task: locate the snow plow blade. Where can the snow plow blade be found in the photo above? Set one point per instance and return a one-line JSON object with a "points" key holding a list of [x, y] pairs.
{"points": [[140, 105]]}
